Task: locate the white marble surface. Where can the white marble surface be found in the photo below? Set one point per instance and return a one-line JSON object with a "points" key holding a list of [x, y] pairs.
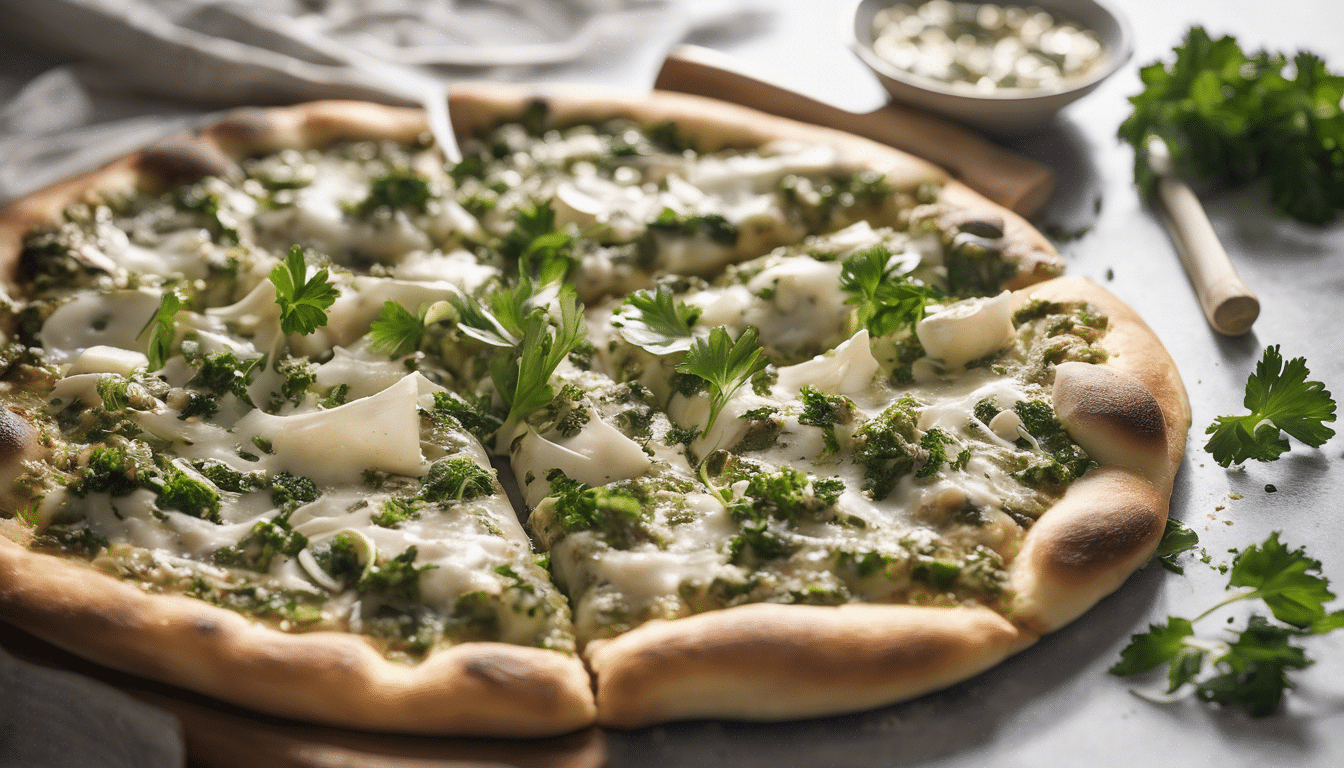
{"points": [[1054, 704]]}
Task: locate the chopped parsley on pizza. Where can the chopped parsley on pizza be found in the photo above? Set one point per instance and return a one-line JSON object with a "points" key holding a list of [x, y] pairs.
{"points": [[796, 424]]}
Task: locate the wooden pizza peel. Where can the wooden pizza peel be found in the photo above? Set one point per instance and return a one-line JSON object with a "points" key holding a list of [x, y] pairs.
{"points": [[1015, 182]]}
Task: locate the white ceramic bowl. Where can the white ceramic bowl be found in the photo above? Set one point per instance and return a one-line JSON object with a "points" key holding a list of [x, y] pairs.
{"points": [[1008, 112]]}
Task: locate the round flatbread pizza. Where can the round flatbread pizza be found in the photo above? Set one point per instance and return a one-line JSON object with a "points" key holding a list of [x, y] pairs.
{"points": [[646, 410]]}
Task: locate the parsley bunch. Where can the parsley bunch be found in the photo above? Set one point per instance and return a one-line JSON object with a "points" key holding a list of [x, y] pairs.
{"points": [[1279, 397], [1231, 117], [1251, 670]]}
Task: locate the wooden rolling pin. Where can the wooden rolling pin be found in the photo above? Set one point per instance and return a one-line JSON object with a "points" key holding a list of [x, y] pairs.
{"points": [[1010, 180], [1228, 302]]}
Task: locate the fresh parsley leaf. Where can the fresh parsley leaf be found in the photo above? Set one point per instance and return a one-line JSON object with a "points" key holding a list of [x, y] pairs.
{"points": [[523, 378], [725, 364], [502, 324], [656, 322], [1253, 672], [397, 331], [540, 251], [1151, 649], [1285, 579], [162, 331], [1177, 538], [887, 301], [1328, 623], [1279, 398], [303, 301], [1230, 117]]}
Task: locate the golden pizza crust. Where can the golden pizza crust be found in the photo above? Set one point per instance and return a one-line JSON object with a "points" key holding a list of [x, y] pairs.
{"points": [[486, 689], [753, 662], [766, 661], [1111, 520]]}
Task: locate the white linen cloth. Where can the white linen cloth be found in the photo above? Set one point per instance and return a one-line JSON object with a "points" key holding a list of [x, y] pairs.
{"points": [[139, 69]]}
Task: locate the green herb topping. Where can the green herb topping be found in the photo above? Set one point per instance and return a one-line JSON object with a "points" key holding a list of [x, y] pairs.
{"points": [[303, 301], [1279, 397]]}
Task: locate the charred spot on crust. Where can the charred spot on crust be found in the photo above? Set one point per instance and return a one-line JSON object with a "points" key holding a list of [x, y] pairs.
{"points": [[244, 126], [206, 627], [1096, 395], [181, 160], [16, 435], [1102, 539], [503, 672]]}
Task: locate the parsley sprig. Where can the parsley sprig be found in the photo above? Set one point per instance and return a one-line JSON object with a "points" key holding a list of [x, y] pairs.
{"points": [[656, 322], [886, 299], [725, 364], [1231, 117], [1250, 670], [303, 301], [162, 330], [523, 377], [1279, 397]]}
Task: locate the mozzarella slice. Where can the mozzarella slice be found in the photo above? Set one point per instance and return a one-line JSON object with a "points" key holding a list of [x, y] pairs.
{"points": [[380, 432], [597, 455], [968, 330], [847, 369], [97, 320], [103, 359]]}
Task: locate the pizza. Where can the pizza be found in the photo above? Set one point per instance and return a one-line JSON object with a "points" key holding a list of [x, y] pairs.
{"points": [[646, 410]]}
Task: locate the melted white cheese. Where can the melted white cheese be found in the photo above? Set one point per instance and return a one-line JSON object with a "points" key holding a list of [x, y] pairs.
{"points": [[98, 320], [968, 330], [380, 432], [847, 369]]}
